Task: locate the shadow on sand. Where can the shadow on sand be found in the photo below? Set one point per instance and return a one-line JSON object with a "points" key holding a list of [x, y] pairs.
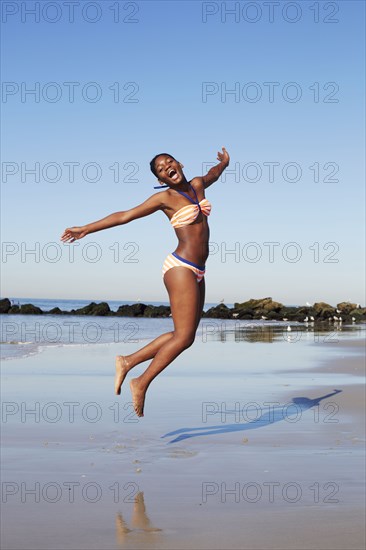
{"points": [[272, 415]]}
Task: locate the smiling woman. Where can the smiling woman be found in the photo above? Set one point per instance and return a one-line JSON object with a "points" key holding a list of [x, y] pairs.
{"points": [[183, 269], [153, 166]]}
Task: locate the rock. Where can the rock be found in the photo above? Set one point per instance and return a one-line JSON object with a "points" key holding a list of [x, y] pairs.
{"points": [[136, 310], [245, 314], [263, 304], [290, 313], [305, 311], [5, 305], [273, 316], [93, 309], [272, 306], [323, 310], [359, 314], [251, 304], [30, 309], [143, 310], [157, 311], [101, 309], [54, 311], [220, 311], [346, 307], [14, 310], [256, 309]]}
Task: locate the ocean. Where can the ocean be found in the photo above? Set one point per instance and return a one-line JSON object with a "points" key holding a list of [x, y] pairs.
{"points": [[24, 335]]}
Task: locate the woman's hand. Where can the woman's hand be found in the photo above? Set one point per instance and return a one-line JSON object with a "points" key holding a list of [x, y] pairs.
{"points": [[73, 234], [223, 157]]}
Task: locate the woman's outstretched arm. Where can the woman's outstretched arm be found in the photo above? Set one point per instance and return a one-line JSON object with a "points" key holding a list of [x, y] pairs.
{"points": [[151, 205], [215, 172]]}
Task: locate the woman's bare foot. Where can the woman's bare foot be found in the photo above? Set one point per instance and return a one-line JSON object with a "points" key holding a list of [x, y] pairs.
{"points": [[121, 371], [138, 397]]}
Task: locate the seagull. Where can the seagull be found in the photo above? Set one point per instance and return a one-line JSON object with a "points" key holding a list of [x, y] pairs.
{"points": [[312, 319], [288, 328], [263, 317], [335, 318], [340, 319], [222, 301], [235, 315], [285, 319], [338, 311], [307, 303], [306, 319], [353, 319]]}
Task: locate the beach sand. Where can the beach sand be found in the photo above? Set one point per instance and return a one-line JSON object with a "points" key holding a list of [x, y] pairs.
{"points": [[251, 445]]}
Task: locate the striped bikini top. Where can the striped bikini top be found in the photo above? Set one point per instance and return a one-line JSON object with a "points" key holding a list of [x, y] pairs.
{"points": [[187, 214]]}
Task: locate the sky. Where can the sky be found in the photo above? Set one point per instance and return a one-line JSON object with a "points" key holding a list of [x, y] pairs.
{"points": [[91, 91]]}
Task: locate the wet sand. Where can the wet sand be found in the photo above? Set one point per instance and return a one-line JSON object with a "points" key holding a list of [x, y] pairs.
{"points": [[249, 445]]}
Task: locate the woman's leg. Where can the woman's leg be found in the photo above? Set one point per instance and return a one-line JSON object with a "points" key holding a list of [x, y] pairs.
{"points": [[185, 302], [125, 363]]}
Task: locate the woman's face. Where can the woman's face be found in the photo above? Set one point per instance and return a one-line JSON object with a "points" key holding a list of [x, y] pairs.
{"points": [[169, 170]]}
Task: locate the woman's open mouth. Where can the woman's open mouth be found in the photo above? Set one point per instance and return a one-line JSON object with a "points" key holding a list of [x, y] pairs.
{"points": [[173, 174]]}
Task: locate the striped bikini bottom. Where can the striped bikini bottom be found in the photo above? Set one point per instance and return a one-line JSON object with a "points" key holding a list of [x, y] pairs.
{"points": [[173, 260]]}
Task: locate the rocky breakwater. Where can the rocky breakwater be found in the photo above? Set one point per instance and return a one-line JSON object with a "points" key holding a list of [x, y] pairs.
{"points": [[261, 309], [101, 310]]}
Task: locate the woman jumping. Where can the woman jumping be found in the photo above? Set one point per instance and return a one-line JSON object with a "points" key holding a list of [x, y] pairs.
{"points": [[185, 205]]}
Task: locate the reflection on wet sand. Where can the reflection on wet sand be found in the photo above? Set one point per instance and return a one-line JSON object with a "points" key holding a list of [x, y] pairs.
{"points": [[247, 331], [141, 531]]}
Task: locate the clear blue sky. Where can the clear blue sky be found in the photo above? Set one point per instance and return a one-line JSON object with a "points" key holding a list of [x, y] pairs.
{"points": [[160, 57]]}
